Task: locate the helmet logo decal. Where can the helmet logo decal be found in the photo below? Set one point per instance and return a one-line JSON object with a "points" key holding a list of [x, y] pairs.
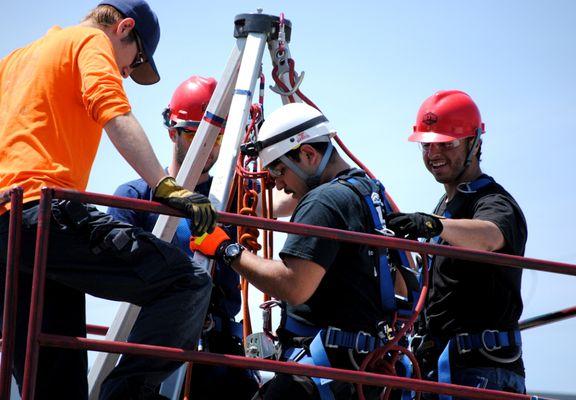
{"points": [[301, 136], [430, 118]]}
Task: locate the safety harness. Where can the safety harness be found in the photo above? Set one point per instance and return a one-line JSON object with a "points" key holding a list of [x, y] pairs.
{"points": [[485, 341], [372, 193]]}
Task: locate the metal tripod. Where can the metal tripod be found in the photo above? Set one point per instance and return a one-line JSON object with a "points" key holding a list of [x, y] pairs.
{"points": [[232, 97]]}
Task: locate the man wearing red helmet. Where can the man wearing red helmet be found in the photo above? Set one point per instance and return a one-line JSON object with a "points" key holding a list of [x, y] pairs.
{"points": [[223, 334], [470, 323]]}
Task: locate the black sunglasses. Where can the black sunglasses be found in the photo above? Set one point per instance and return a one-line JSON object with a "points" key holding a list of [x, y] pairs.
{"points": [[140, 57]]}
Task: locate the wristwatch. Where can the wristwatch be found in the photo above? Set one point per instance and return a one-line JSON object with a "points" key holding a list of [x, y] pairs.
{"points": [[232, 252]]}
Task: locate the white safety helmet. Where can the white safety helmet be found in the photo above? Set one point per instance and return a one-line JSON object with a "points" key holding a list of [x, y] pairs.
{"points": [[288, 127]]}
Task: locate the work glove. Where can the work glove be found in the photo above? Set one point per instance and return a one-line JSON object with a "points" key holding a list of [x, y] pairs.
{"points": [[212, 245], [414, 225], [195, 205]]}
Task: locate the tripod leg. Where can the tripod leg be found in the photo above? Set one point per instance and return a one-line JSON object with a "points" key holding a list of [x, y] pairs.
{"points": [[236, 124], [224, 167]]}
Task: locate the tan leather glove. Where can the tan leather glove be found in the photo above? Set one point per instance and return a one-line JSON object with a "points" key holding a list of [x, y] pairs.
{"points": [[197, 206]]}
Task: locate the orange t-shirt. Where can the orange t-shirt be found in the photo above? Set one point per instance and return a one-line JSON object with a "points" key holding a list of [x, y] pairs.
{"points": [[56, 94]]}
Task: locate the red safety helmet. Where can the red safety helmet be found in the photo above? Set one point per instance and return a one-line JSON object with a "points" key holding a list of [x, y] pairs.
{"points": [[189, 103], [445, 116]]}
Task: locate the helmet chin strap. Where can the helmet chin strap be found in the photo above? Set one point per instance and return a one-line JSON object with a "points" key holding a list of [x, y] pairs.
{"points": [[469, 155], [311, 180]]}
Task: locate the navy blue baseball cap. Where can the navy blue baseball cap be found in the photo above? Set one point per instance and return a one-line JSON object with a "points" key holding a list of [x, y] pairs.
{"points": [[148, 30]]}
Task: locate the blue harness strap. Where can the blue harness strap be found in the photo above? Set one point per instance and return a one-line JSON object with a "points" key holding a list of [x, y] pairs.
{"points": [[463, 343], [328, 338], [228, 327], [444, 370], [377, 205], [374, 196], [319, 357]]}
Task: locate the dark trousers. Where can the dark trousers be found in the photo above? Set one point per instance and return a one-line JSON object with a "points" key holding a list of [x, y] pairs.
{"points": [[287, 387], [220, 381], [90, 252]]}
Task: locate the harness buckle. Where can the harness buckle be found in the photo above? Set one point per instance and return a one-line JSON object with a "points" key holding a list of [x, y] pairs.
{"points": [[496, 345], [366, 343], [463, 348], [329, 332], [385, 332]]}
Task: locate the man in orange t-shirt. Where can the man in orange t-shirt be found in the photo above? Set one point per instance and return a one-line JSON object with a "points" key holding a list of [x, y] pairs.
{"points": [[56, 96]]}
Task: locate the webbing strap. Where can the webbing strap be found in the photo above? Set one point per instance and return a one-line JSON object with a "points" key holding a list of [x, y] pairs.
{"points": [[318, 357], [489, 340], [299, 329], [465, 342], [408, 372], [359, 341], [182, 236], [444, 372], [228, 327], [474, 186], [387, 294]]}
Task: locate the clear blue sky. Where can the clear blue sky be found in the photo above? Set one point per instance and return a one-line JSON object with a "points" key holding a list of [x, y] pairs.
{"points": [[369, 65]]}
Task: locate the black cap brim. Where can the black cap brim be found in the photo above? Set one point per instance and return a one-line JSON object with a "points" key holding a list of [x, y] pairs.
{"points": [[146, 74]]}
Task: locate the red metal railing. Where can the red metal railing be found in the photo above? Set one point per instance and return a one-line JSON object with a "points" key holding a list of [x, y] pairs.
{"points": [[96, 330], [11, 293], [36, 338], [548, 318], [37, 298]]}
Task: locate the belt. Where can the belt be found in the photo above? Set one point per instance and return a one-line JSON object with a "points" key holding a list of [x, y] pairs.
{"points": [[488, 340], [334, 338], [485, 342]]}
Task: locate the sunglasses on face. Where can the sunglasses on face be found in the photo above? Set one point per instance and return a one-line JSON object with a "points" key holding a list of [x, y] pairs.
{"points": [[442, 146], [189, 134], [276, 170], [140, 57]]}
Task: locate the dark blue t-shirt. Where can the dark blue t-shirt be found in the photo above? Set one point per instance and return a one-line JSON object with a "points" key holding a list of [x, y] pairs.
{"points": [[225, 301]]}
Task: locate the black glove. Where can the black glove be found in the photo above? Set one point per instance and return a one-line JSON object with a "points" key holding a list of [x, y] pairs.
{"points": [[195, 205], [414, 226]]}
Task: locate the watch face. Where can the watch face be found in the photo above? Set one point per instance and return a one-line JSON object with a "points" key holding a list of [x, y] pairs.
{"points": [[232, 250]]}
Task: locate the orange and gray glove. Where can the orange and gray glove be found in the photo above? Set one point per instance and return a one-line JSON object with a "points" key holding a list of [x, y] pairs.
{"points": [[195, 205], [212, 245]]}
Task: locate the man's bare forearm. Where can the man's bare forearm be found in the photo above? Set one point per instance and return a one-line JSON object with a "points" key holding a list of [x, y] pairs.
{"points": [[293, 280], [129, 138], [473, 234]]}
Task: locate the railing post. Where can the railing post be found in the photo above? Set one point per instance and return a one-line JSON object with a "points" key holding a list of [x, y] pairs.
{"points": [[11, 292], [37, 298]]}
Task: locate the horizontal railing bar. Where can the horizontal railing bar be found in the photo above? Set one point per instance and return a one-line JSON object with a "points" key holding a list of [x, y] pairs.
{"points": [[364, 378], [96, 329], [549, 318], [336, 234]]}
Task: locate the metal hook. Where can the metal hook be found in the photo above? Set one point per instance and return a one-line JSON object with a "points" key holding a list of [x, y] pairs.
{"points": [[299, 79]]}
